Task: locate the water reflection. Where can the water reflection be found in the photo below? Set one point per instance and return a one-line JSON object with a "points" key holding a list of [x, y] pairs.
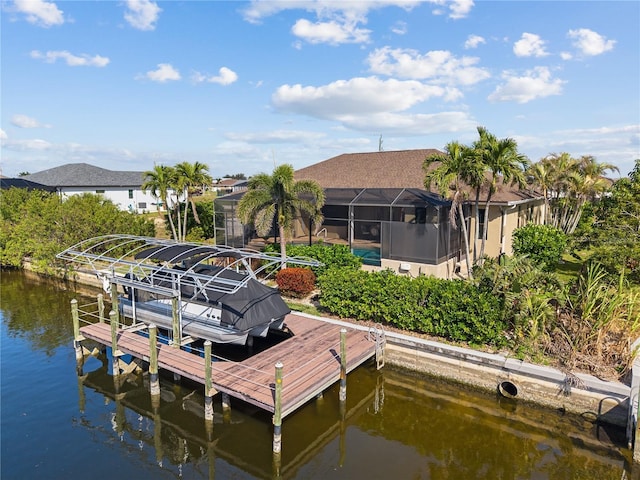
{"points": [[393, 425]]}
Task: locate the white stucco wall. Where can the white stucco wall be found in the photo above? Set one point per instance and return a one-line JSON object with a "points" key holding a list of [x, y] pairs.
{"points": [[140, 203]]}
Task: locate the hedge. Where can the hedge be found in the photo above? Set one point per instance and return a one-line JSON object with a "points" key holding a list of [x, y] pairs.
{"points": [[452, 309]]}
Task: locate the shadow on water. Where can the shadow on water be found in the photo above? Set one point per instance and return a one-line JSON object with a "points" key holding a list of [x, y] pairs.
{"points": [[394, 424]]}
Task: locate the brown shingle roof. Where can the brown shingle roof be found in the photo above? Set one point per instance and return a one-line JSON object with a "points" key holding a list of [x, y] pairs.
{"points": [[399, 169], [395, 169]]}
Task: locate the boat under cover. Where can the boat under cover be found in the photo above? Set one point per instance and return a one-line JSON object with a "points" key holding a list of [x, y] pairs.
{"points": [[218, 295]]}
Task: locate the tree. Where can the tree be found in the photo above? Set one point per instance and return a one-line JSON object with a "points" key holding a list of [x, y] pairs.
{"points": [[449, 177], [281, 198], [615, 236], [190, 177], [567, 184], [502, 161], [159, 182]]}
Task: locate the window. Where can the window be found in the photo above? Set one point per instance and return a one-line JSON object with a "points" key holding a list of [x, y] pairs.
{"points": [[99, 191], [130, 193], [481, 223], [142, 205]]}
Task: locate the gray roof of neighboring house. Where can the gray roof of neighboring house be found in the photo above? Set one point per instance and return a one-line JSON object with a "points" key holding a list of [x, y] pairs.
{"points": [[6, 183], [85, 175]]}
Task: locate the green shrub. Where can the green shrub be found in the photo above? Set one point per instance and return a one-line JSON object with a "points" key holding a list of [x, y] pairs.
{"points": [[38, 225], [543, 244], [296, 282], [329, 255], [455, 310]]}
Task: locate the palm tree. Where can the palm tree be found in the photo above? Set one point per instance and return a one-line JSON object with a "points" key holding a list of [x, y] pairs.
{"points": [[278, 197], [191, 176], [449, 178], [502, 160], [568, 185], [159, 181], [543, 175]]}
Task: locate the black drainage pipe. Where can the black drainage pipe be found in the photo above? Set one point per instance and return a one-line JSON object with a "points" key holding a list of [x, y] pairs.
{"points": [[508, 389]]}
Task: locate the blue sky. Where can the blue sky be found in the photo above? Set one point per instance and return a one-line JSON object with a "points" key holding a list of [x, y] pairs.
{"points": [[242, 86]]}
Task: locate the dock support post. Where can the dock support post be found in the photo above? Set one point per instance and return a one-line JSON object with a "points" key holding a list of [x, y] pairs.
{"points": [[114, 300], [277, 420], [113, 316], [154, 382], [101, 308], [226, 404], [175, 322], [343, 364], [76, 332], [208, 383]]}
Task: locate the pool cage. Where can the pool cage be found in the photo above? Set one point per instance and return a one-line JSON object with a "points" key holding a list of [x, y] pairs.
{"points": [[401, 224]]}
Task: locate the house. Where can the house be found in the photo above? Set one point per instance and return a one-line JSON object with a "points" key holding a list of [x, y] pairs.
{"points": [[123, 188], [229, 185], [407, 226], [7, 183], [378, 205]]}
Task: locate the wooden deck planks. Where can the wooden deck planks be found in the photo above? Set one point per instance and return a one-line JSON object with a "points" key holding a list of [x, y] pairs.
{"points": [[311, 362]]}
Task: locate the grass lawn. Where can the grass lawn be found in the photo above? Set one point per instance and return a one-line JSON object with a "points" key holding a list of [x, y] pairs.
{"points": [[569, 267]]}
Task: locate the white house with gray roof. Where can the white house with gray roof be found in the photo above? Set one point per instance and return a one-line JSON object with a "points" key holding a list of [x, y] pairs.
{"points": [[121, 187]]}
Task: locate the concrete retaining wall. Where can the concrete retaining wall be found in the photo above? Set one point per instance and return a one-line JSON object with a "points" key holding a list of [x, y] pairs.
{"points": [[578, 393]]}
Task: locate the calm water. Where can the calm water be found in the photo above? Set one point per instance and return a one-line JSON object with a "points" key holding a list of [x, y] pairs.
{"points": [[58, 425]]}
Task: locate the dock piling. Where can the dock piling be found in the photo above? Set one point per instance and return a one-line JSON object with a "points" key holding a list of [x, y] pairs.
{"points": [[343, 364], [113, 316], [277, 411], [101, 308], [175, 322], [208, 383], [114, 300], [76, 332], [154, 382]]}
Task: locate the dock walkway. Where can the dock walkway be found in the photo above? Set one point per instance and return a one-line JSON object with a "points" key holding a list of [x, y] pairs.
{"points": [[310, 358]]}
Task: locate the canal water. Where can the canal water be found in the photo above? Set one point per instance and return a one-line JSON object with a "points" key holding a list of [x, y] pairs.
{"points": [[56, 424]]}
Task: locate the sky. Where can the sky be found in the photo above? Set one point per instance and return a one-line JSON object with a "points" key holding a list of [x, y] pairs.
{"points": [[245, 86]]}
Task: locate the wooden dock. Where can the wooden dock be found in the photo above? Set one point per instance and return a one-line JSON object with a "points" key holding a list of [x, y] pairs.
{"points": [[310, 359]]}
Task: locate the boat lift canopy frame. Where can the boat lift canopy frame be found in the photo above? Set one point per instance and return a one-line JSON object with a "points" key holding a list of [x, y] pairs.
{"points": [[147, 263]]}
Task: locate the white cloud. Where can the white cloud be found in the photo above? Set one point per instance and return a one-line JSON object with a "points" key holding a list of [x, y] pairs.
{"points": [[400, 28], [276, 136], [473, 41], [536, 83], [439, 66], [589, 42], [357, 96], [82, 60], [3, 134], [259, 9], [164, 73], [332, 32], [24, 121], [530, 45], [339, 22], [411, 124], [457, 8], [225, 76], [612, 144], [142, 14], [566, 55], [40, 12]]}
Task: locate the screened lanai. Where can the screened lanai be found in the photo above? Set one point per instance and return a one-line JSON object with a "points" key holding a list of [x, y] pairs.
{"points": [[407, 224]]}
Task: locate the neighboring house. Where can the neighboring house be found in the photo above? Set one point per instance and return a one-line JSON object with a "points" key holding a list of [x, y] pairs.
{"points": [[229, 185], [123, 188], [7, 183], [378, 205]]}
